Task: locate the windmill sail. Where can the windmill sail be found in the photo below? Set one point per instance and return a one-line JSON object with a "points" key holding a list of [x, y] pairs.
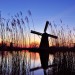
{"points": [[36, 68], [46, 26], [53, 36], [38, 33]]}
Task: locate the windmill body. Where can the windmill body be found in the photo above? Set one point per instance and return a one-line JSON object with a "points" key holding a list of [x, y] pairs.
{"points": [[44, 55], [44, 44]]}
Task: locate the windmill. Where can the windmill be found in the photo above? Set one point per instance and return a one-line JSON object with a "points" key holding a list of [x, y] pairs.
{"points": [[44, 54]]}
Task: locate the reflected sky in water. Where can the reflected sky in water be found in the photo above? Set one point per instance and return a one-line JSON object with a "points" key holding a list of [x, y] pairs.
{"points": [[20, 62]]}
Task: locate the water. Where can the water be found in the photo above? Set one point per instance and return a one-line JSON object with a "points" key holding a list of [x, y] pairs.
{"points": [[20, 63], [65, 63]]}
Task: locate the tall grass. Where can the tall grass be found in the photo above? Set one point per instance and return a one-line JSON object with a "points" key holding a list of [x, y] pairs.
{"points": [[65, 35], [17, 28]]}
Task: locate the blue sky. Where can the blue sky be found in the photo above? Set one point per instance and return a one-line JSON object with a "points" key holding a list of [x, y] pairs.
{"points": [[42, 10]]}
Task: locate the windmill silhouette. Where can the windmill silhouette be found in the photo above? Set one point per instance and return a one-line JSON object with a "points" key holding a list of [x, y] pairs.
{"points": [[44, 54]]}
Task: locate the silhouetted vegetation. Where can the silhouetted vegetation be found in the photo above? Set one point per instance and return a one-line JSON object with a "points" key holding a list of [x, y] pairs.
{"points": [[16, 32]]}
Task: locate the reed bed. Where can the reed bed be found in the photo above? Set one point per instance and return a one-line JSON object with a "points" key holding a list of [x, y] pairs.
{"points": [[65, 35], [16, 30]]}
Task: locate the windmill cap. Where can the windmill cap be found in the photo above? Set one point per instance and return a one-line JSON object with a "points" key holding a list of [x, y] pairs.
{"points": [[47, 22]]}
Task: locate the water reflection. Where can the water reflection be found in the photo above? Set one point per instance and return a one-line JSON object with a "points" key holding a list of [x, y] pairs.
{"points": [[20, 62], [14, 63], [65, 63]]}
